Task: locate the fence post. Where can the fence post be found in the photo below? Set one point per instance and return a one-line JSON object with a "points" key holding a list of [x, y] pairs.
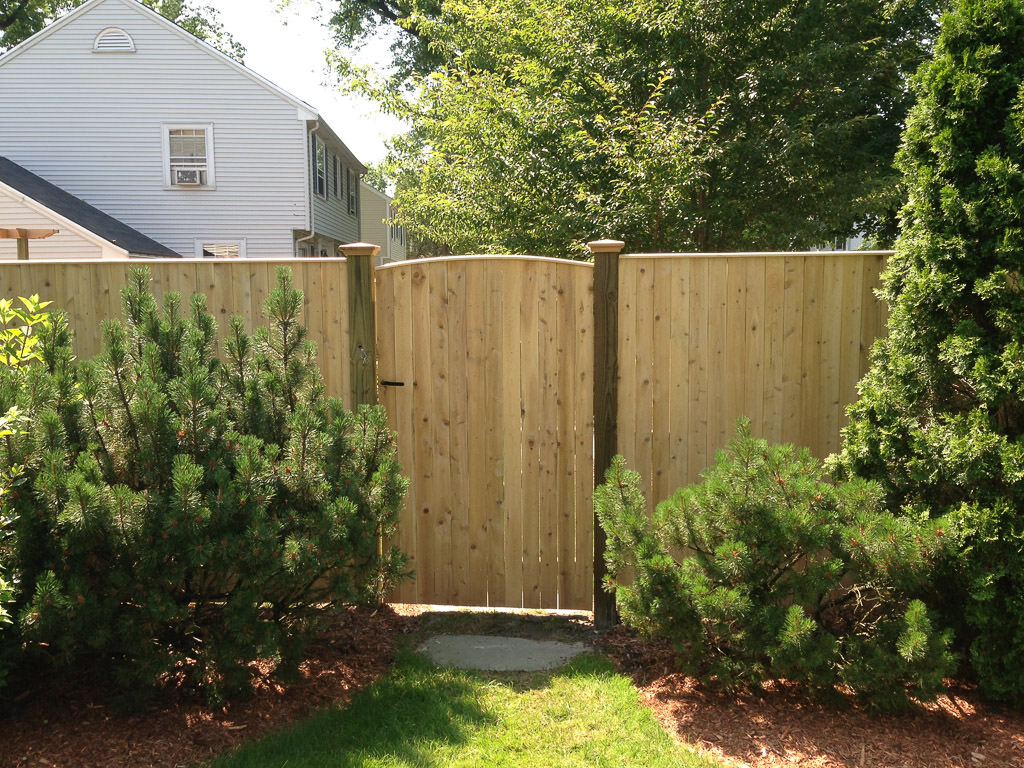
{"points": [[606, 400], [362, 330]]}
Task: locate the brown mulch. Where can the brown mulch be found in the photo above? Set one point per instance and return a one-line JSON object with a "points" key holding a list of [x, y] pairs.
{"points": [[782, 728], [63, 723]]}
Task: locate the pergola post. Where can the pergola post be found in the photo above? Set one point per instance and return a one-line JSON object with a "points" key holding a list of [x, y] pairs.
{"points": [[23, 235]]}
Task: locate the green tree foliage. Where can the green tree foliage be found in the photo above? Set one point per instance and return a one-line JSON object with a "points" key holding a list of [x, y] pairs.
{"points": [[940, 420], [186, 514], [764, 570], [671, 124], [20, 19], [20, 329]]}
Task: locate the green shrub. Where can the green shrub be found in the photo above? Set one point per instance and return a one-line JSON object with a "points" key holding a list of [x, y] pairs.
{"points": [[940, 419], [764, 570], [20, 329], [183, 515]]}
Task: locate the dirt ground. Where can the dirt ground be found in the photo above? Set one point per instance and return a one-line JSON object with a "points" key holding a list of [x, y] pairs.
{"points": [[65, 723]]}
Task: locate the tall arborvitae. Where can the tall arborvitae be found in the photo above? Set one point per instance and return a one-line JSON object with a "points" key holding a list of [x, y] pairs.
{"points": [[940, 420]]}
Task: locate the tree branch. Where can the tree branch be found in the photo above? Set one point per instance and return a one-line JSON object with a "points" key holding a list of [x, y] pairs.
{"points": [[10, 17]]}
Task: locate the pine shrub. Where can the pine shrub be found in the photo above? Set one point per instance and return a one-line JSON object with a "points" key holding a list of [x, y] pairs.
{"points": [[940, 419], [185, 515], [766, 571]]}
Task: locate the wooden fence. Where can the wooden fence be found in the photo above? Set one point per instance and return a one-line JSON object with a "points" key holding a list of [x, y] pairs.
{"points": [[490, 368], [486, 366], [782, 338], [90, 292]]}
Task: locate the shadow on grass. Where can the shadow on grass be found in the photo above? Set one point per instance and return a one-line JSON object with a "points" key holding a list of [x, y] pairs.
{"points": [[403, 719], [419, 714]]}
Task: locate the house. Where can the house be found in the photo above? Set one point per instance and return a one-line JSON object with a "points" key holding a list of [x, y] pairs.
{"points": [[377, 227], [136, 119], [82, 230]]}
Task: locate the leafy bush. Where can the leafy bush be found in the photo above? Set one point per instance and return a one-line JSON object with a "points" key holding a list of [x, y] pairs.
{"points": [[20, 328], [764, 570], [940, 419], [186, 515]]}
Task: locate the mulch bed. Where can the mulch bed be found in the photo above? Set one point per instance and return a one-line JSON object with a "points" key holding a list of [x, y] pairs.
{"points": [[64, 723], [776, 728]]}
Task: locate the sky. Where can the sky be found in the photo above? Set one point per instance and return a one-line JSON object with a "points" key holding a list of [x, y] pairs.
{"points": [[288, 49]]}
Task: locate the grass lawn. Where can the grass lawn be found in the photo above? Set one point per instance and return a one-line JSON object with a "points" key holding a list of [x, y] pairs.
{"points": [[584, 714]]}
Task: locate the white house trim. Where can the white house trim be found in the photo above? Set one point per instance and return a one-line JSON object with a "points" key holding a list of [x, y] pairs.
{"points": [[64, 222]]}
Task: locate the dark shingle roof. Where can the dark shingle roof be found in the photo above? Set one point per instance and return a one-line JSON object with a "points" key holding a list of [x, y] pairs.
{"points": [[80, 212]]}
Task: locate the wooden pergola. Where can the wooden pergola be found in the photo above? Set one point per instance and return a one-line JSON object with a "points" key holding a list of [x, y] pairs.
{"points": [[23, 235]]}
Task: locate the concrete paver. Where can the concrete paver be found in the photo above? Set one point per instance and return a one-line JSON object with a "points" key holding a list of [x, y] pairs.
{"points": [[499, 654]]}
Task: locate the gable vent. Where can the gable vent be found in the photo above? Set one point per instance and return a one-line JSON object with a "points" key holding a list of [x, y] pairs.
{"points": [[113, 40]]}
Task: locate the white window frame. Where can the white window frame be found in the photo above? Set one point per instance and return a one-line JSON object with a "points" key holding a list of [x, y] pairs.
{"points": [[165, 141], [201, 241], [318, 147]]}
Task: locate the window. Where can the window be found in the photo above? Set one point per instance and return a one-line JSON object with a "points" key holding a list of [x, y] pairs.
{"points": [[320, 169], [188, 156], [113, 40], [220, 249], [350, 191]]}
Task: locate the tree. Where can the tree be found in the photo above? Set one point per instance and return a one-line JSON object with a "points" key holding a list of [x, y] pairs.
{"points": [[183, 514], [940, 419], [670, 124], [20, 19]]}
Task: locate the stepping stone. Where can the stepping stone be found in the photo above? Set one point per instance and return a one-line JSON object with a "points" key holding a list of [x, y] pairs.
{"points": [[499, 654]]}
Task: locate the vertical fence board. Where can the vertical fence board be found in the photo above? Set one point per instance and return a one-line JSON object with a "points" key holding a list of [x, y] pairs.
{"points": [[532, 425], [493, 429], [774, 332], [547, 509], [583, 400], [513, 453], [678, 345], [462, 480], [754, 364], [437, 297], [565, 446], [477, 422]]}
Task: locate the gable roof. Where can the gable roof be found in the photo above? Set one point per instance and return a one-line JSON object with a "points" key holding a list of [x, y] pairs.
{"points": [[54, 200], [305, 111]]}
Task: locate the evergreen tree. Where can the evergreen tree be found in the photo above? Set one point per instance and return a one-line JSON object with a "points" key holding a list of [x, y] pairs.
{"points": [[765, 570], [940, 420], [186, 515]]}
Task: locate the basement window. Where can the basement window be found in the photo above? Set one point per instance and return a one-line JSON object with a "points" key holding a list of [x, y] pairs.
{"points": [[220, 249]]}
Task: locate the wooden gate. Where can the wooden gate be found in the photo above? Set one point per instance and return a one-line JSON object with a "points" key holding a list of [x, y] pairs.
{"points": [[485, 369]]}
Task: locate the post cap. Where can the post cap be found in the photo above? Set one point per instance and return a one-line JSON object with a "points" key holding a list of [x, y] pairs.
{"points": [[359, 249], [606, 246]]}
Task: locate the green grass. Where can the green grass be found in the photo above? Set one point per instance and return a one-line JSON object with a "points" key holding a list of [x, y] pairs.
{"points": [[584, 714]]}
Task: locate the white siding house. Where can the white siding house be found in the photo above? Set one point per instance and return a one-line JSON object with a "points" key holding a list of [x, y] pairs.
{"points": [[378, 229], [128, 112]]}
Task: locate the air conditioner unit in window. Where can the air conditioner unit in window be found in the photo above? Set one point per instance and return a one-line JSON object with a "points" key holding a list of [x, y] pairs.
{"points": [[187, 177]]}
